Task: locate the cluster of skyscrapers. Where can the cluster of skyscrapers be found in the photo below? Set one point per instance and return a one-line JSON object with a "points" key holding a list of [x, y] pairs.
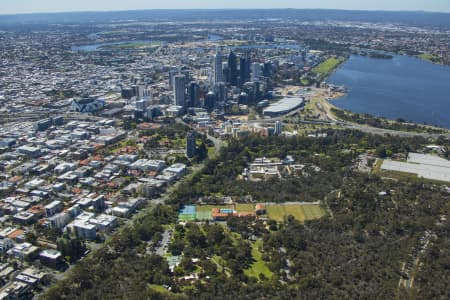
{"points": [[236, 79]]}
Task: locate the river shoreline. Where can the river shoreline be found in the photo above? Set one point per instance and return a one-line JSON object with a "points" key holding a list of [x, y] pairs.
{"points": [[404, 88]]}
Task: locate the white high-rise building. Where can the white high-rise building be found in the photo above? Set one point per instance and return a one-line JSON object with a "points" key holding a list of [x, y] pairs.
{"points": [[140, 91], [179, 90], [256, 71], [143, 92], [278, 128], [218, 70], [172, 74], [147, 94]]}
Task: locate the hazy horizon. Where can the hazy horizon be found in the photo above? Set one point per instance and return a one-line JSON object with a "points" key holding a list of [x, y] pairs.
{"points": [[52, 6]]}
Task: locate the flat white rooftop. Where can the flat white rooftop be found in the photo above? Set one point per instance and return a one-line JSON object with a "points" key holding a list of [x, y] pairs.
{"points": [[423, 165], [428, 159], [285, 105]]}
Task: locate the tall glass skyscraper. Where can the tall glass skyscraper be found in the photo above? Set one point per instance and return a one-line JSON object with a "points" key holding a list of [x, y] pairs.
{"points": [[232, 67], [218, 71], [179, 90]]}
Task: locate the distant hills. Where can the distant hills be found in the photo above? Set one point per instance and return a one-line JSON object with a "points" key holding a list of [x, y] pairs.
{"points": [[412, 18]]}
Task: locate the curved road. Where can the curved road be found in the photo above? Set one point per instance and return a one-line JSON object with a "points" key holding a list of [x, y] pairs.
{"points": [[363, 128]]}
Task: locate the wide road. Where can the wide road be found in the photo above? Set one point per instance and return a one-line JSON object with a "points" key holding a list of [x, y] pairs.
{"points": [[381, 131], [363, 128]]}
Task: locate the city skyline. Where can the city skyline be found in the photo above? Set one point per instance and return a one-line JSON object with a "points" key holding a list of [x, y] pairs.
{"points": [[29, 6], [224, 149]]}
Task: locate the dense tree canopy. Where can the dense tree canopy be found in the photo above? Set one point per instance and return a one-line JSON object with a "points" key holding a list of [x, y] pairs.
{"points": [[356, 252]]}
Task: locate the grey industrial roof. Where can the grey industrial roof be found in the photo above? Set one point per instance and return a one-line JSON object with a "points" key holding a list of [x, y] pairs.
{"points": [[426, 166], [285, 104]]}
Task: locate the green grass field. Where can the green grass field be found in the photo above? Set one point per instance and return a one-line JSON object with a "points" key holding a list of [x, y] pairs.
{"points": [[259, 266], [305, 82], [301, 213], [428, 57], [325, 68], [203, 215], [186, 218], [313, 212], [159, 288], [276, 212], [245, 208]]}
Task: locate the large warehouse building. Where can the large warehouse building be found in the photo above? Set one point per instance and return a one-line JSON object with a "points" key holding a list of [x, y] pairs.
{"points": [[284, 106]]}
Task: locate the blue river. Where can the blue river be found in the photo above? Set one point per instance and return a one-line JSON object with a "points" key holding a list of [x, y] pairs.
{"points": [[99, 46], [403, 87]]}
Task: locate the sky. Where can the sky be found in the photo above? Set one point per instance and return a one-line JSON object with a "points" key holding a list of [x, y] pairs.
{"points": [[33, 6]]}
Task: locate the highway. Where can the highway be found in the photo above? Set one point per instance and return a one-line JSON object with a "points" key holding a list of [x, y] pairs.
{"points": [[354, 126], [381, 131], [218, 144]]}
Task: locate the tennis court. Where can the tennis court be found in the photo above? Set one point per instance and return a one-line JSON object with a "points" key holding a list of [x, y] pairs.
{"points": [[187, 213], [204, 211]]}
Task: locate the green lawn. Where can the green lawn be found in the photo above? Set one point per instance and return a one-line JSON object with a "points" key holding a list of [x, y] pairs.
{"points": [[296, 211], [276, 212], [313, 212], [219, 261], [428, 57], [301, 213], [159, 288], [212, 152], [186, 217], [203, 215], [325, 68], [259, 266], [305, 81], [245, 208]]}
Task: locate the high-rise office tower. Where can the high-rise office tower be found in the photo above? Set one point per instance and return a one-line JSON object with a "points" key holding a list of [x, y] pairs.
{"points": [[143, 92], [179, 90], [220, 90], [194, 94], [267, 71], [244, 71], [232, 67], [226, 72], [127, 92], [148, 94], [140, 91], [187, 75], [256, 71], [210, 101], [218, 71], [190, 145], [172, 74], [278, 128]]}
